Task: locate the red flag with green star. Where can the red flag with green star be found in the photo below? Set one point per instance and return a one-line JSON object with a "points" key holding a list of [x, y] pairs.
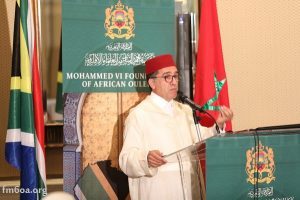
{"points": [[211, 90]]}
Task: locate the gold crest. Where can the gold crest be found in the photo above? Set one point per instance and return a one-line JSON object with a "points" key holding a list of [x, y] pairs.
{"points": [[260, 165], [119, 21]]}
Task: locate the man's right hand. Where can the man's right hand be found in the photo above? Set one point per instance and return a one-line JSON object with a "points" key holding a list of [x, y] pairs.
{"points": [[155, 159]]}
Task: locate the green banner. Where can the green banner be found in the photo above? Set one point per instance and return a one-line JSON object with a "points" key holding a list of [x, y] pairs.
{"points": [[254, 166], [105, 43]]}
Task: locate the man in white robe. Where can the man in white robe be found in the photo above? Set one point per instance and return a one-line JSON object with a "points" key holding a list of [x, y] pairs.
{"points": [[156, 127]]}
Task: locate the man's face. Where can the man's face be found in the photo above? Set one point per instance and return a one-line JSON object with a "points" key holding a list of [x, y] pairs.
{"points": [[167, 90]]}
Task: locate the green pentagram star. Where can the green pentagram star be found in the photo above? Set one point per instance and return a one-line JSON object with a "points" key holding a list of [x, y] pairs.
{"points": [[218, 86]]}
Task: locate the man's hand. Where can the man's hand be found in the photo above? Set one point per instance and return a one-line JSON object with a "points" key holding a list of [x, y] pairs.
{"points": [[225, 115], [155, 159]]}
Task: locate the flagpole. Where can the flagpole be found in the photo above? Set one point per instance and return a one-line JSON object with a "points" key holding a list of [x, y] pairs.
{"points": [[38, 103], [37, 22]]}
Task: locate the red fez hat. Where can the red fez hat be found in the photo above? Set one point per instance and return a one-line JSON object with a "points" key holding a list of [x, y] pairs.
{"points": [[159, 62]]}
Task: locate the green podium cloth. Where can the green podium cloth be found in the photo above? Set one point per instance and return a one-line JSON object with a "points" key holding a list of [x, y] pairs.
{"points": [[254, 165]]}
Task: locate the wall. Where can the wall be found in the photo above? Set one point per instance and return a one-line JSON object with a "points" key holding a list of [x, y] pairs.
{"points": [[261, 46], [7, 16], [51, 31]]}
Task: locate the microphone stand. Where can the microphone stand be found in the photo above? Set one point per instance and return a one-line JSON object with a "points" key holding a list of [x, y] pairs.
{"points": [[196, 121], [195, 107], [200, 176]]}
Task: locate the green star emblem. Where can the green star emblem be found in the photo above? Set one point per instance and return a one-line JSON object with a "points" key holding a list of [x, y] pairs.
{"points": [[218, 86]]}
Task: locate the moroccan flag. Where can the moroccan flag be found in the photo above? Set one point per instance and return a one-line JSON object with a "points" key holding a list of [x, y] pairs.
{"points": [[59, 94], [211, 90], [24, 148]]}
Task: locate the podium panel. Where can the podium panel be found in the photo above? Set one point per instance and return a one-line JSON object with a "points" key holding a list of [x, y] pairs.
{"points": [[187, 160], [254, 165]]}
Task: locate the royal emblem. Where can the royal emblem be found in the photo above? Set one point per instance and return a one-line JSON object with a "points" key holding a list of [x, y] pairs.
{"points": [[119, 21], [260, 165]]}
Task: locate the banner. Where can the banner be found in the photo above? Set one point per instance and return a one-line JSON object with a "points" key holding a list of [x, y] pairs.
{"points": [[105, 43]]}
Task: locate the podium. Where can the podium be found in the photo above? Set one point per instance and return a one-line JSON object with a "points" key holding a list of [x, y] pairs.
{"points": [[188, 160], [254, 165], [250, 165]]}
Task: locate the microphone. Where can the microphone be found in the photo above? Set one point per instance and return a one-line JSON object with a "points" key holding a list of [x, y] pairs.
{"points": [[207, 119], [185, 99]]}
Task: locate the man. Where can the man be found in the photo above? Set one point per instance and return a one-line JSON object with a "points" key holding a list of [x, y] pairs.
{"points": [[159, 126]]}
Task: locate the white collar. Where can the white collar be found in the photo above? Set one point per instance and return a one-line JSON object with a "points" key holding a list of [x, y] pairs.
{"points": [[162, 103]]}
